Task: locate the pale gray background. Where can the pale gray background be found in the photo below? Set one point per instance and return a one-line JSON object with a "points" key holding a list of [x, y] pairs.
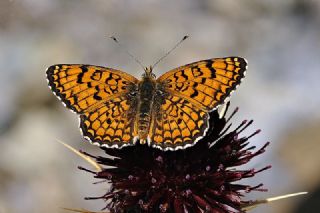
{"points": [[280, 39]]}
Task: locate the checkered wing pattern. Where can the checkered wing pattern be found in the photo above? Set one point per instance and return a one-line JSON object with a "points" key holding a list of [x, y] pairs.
{"points": [[193, 90], [100, 96], [111, 124], [177, 124], [207, 83]]}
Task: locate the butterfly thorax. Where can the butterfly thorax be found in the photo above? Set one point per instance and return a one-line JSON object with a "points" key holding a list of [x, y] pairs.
{"points": [[147, 89]]}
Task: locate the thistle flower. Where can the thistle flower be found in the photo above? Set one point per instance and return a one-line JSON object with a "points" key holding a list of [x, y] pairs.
{"points": [[202, 178]]}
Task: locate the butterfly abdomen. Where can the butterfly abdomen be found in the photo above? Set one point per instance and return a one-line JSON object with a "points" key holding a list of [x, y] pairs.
{"points": [[147, 89]]}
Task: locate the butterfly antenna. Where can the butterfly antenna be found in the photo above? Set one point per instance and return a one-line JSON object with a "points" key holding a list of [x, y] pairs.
{"points": [[132, 56], [175, 46]]}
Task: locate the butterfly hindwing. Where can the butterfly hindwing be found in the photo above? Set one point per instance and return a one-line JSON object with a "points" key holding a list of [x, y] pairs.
{"points": [[111, 124], [177, 124]]}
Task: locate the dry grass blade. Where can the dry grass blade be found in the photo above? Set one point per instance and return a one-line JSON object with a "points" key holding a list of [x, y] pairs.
{"points": [[81, 210], [256, 203], [86, 158]]}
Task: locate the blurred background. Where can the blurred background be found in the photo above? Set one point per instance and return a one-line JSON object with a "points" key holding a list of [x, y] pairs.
{"points": [[280, 39]]}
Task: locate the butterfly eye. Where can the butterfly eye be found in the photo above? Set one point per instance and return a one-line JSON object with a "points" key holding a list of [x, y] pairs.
{"points": [[160, 93], [133, 93]]}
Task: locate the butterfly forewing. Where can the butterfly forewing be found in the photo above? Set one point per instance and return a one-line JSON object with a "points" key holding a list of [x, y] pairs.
{"points": [[206, 83]]}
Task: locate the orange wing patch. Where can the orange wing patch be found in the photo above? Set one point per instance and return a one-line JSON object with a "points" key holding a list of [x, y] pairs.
{"points": [[178, 124], [83, 87], [207, 83], [100, 96], [111, 125]]}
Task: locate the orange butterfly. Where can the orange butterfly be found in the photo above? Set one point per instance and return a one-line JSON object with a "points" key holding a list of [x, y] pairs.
{"points": [[170, 112]]}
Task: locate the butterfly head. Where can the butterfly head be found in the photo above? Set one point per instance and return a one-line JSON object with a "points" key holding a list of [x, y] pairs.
{"points": [[148, 72]]}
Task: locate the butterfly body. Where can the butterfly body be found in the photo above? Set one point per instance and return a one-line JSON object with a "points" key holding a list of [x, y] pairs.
{"points": [[146, 100], [169, 112]]}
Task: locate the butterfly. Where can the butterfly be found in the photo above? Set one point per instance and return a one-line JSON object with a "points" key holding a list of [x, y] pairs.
{"points": [[170, 112]]}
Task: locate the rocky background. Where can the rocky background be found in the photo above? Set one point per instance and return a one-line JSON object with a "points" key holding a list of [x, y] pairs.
{"points": [[280, 39]]}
